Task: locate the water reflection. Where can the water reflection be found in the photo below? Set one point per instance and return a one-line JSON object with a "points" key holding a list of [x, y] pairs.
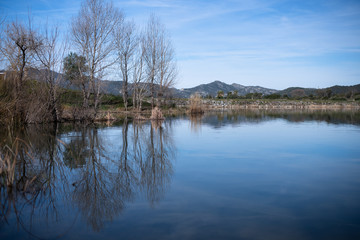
{"points": [[70, 175], [195, 122], [30, 192], [52, 175], [157, 167], [254, 116]]}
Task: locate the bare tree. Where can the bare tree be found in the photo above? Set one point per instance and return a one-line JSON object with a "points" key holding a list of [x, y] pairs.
{"points": [[140, 82], [92, 36], [50, 56], [17, 48], [2, 21], [151, 39], [159, 58], [126, 41], [167, 68]]}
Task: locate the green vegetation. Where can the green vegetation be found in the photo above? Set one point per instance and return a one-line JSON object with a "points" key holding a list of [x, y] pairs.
{"points": [[295, 94]]}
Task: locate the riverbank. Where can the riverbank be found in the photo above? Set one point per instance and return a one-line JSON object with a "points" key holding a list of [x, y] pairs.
{"points": [[120, 113], [214, 104], [181, 106]]}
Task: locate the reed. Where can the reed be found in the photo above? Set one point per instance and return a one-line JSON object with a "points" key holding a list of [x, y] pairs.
{"points": [[196, 104], [156, 114], [9, 159]]}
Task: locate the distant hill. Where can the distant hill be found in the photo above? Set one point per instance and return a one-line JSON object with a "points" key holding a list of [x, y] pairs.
{"points": [[297, 91], [213, 87], [344, 89], [114, 87], [300, 92], [243, 90]]}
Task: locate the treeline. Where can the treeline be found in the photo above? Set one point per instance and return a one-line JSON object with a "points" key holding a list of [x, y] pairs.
{"points": [[101, 42], [296, 94]]}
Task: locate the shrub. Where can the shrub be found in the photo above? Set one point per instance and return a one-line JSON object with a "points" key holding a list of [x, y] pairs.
{"points": [[195, 104], [156, 114], [273, 96]]}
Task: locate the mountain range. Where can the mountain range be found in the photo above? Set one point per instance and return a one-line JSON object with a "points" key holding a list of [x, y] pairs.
{"points": [[114, 87], [211, 89]]}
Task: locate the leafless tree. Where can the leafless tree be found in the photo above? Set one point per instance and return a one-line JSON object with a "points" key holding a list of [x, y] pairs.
{"points": [[17, 48], [50, 56], [92, 37], [152, 37], [159, 58], [2, 21], [126, 41], [167, 68], [140, 82]]}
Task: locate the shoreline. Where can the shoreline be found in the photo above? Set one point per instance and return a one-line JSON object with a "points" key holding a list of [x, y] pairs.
{"points": [[210, 105]]}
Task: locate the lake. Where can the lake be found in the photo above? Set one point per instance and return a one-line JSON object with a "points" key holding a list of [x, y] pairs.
{"points": [[224, 175]]}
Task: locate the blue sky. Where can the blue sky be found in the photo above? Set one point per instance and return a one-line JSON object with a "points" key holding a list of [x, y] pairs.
{"points": [[275, 44]]}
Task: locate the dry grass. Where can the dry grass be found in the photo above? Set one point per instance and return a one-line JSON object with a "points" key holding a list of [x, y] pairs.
{"points": [[8, 161], [139, 117], [196, 104], [156, 114], [7, 167]]}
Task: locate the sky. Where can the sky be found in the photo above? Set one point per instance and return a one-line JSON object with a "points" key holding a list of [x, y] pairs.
{"points": [[269, 43]]}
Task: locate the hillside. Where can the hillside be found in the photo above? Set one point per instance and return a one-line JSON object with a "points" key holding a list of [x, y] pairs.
{"points": [[213, 87], [300, 92], [114, 87]]}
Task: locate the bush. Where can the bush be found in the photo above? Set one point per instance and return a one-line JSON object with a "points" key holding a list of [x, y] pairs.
{"points": [[195, 104], [156, 114], [273, 96]]}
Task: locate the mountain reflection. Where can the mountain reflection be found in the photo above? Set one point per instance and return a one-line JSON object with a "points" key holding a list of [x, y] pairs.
{"points": [[57, 173], [60, 176], [255, 116]]}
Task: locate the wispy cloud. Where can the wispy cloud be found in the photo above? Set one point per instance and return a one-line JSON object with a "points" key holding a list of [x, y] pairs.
{"points": [[152, 3], [248, 41]]}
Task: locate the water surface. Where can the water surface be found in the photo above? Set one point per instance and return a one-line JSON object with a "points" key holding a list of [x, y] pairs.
{"points": [[243, 175]]}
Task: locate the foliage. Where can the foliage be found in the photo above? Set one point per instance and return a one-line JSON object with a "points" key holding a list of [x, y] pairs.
{"points": [[233, 95], [220, 94], [71, 97], [254, 95], [273, 96], [75, 68]]}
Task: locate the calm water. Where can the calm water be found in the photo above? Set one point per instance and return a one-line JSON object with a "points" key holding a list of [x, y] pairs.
{"points": [[246, 175]]}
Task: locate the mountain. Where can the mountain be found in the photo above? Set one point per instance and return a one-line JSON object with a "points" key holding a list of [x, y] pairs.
{"points": [[243, 90], [297, 91], [213, 87], [114, 87], [300, 92], [345, 89]]}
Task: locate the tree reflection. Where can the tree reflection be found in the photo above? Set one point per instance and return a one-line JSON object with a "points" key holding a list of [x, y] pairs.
{"points": [[57, 174], [157, 166], [95, 192], [195, 122], [31, 193], [105, 184]]}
